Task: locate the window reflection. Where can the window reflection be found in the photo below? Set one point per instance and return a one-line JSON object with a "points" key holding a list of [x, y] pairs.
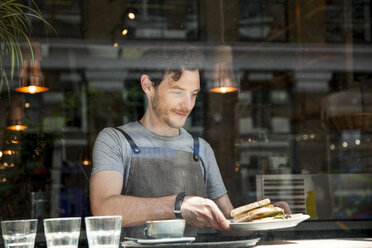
{"points": [[298, 130]]}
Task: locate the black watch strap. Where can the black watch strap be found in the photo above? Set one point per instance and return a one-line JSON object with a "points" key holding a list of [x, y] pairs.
{"points": [[178, 205]]}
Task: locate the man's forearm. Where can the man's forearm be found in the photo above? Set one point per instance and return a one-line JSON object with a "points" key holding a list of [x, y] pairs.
{"points": [[224, 203], [136, 210]]}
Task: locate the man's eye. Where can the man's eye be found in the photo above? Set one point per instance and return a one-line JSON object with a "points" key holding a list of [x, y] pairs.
{"points": [[178, 92], [195, 94]]}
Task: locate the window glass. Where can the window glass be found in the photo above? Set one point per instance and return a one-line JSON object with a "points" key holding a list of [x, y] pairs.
{"points": [[298, 129]]}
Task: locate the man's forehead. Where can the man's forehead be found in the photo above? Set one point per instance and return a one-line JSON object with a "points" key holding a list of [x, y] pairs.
{"points": [[177, 74], [171, 81]]}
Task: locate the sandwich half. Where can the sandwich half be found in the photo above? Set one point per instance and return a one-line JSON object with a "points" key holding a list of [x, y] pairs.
{"points": [[259, 210]]}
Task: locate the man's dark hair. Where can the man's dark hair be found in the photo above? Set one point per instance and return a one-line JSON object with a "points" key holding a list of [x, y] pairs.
{"points": [[170, 60]]}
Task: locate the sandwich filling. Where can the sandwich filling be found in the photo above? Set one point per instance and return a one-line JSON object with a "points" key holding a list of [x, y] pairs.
{"points": [[261, 210]]}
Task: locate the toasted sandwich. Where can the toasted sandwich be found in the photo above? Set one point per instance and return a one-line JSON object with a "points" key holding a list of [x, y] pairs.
{"points": [[260, 210]]}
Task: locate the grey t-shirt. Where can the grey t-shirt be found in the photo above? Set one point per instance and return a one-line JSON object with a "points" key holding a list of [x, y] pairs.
{"points": [[112, 152]]}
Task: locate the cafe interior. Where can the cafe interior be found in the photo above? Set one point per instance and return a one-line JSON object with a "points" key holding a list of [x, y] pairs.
{"points": [[285, 103]]}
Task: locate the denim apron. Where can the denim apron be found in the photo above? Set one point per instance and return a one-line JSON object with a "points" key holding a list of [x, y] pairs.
{"points": [[155, 176]]}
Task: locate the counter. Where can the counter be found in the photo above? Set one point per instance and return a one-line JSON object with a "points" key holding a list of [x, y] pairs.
{"points": [[318, 243]]}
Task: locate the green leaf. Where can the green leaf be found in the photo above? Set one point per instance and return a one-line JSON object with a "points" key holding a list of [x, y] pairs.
{"points": [[15, 23], [279, 216]]}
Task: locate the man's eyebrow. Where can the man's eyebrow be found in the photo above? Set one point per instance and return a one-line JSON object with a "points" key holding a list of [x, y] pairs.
{"points": [[175, 87]]}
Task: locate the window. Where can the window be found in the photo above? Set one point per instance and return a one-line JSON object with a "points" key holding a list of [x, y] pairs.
{"points": [[298, 130]]}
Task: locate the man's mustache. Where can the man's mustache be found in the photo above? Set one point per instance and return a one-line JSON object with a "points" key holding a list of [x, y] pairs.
{"points": [[182, 111]]}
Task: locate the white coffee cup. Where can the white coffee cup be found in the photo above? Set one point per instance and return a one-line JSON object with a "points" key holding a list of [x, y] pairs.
{"points": [[62, 231], [160, 229]]}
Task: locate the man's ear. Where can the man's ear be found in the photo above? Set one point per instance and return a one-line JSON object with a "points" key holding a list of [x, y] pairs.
{"points": [[146, 84]]}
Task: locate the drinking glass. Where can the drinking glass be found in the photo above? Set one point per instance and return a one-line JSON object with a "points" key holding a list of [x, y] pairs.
{"points": [[62, 232], [19, 233], [103, 231]]}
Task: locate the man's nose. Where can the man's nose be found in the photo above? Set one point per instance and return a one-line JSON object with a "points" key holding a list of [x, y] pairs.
{"points": [[188, 102]]}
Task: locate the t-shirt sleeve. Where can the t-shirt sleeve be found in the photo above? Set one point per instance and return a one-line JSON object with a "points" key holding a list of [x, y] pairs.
{"points": [[109, 152], [214, 182]]}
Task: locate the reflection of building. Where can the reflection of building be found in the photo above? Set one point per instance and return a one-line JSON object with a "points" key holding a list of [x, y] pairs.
{"points": [[287, 64]]}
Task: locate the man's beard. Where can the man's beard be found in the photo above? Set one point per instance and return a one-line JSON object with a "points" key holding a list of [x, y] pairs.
{"points": [[169, 116]]}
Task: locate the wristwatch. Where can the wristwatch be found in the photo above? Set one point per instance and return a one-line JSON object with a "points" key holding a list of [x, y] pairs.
{"points": [[178, 204]]}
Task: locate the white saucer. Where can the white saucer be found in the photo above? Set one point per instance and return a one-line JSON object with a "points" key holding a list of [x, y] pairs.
{"points": [[166, 240]]}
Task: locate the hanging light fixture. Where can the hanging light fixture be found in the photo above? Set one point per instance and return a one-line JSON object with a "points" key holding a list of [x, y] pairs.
{"points": [[15, 119], [224, 80], [223, 77], [16, 114], [10, 148], [31, 78], [85, 158], [86, 161]]}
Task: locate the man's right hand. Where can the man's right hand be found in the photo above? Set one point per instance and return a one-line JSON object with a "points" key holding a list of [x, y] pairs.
{"points": [[202, 212]]}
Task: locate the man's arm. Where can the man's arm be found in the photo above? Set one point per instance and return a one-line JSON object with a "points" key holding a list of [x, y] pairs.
{"points": [[106, 199], [224, 203]]}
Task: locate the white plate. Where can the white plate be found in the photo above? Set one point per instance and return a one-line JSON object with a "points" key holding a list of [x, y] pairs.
{"points": [[167, 240], [294, 220]]}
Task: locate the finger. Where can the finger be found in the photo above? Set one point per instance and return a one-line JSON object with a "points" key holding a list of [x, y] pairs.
{"points": [[208, 220], [284, 206], [221, 222], [287, 210], [209, 217]]}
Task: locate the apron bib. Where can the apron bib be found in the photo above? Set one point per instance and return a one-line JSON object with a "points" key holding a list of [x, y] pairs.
{"points": [[156, 172]]}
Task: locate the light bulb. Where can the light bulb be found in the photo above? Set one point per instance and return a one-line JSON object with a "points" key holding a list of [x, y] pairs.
{"points": [[131, 15], [32, 89]]}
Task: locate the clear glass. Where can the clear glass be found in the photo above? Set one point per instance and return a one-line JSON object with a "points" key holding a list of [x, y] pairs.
{"points": [[103, 231], [19, 233], [62, 232]]}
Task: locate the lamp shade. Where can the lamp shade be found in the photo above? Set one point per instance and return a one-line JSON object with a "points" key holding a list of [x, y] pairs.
{"points": [[31, 78], [15, 117], [224, 80]]}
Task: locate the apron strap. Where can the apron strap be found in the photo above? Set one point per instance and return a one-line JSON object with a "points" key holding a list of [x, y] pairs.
{"points": [[197, 157], [133, 145], [196, 148]]}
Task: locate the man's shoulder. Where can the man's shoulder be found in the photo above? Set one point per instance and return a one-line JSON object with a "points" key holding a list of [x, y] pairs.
{"points": [[139, 134], [130, 126], [113, 135], [202, 142], [125, 127]]}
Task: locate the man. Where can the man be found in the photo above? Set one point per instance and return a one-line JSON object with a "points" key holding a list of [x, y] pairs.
{"points": [[142, 167]]}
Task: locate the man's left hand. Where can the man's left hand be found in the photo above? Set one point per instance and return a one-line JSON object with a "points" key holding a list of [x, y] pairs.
{"points": [[202, 212], [283, 205]]}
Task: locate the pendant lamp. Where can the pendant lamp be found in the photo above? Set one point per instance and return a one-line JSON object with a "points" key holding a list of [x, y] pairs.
{"points": [[224, 80], [85, 158], [31, 78], [15, 117], [86, 161]]}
